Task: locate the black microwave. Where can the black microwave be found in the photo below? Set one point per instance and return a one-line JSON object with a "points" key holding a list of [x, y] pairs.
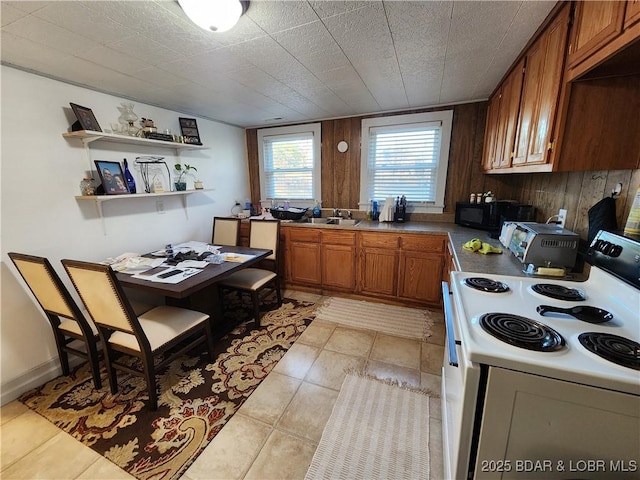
{"points": [[490, 216]]}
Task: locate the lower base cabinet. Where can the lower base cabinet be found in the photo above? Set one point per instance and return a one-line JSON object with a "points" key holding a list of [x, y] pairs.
{"points": [[395, 267]]}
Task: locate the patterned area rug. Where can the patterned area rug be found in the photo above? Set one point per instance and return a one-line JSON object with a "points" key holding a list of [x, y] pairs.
{"points": [[376, 431], [399, 321], [196, 398]]}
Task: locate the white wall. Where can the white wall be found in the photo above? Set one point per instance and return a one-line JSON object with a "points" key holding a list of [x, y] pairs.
{"points": [[40, 176]]}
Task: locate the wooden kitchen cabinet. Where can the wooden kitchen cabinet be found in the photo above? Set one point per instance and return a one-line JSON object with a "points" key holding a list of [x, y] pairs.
{"points": [[503, 115], [540, 93], [595, 24], [338, 259], [378, 263], [421, 267], [303, 259], [603, 30], [574, 118], [632, 13]]}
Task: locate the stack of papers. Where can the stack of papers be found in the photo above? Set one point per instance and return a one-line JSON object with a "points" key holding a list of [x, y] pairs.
{"points": [[236, 257], [132, 263]]}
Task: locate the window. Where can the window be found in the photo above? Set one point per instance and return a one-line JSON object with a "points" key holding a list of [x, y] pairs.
{"points": [[289, 160], [406, 155]]}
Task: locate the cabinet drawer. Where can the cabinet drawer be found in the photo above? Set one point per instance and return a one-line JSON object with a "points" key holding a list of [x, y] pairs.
{"points": [[423, 243], [339, 238], [304, 235], [381, 240]]}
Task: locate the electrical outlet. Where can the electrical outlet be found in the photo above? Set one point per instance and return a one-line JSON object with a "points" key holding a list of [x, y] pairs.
{"points": [[562, 217], [160, 207]]}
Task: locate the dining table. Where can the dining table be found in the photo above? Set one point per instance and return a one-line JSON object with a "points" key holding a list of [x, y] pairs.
{"points": [[198, 292]]}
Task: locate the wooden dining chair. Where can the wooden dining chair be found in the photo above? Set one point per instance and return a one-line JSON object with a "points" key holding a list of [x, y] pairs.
{"points": [[226, 231], [163, 332], [70, 324], [259, 282]]}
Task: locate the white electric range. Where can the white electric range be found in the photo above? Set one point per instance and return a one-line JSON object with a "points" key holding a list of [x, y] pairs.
{"points": [[523, 389]]}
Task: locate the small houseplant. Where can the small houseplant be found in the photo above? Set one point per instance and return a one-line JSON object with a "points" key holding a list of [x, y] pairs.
{"points": [[182, 170]]}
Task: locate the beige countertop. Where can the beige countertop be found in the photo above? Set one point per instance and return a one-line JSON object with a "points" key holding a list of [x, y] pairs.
{"points": [[466, 261]]}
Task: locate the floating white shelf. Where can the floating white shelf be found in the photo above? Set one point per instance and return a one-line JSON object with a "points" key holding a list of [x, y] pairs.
{"points": [[88, 136]]}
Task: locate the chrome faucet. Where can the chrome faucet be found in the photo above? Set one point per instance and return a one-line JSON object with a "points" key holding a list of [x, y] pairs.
{"points": [[337, 212]]}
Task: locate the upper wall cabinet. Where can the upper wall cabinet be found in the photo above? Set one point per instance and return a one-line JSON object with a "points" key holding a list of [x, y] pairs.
{"points": [[533, 88], [567, 122], [502, 118], [600, 30]]}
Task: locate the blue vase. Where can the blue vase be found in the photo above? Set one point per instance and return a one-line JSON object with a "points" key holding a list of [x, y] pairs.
{"points": [[131, 183]]}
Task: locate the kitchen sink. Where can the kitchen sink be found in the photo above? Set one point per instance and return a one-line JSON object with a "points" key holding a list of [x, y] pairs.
{"points": [[348, 221], [336, 221]]}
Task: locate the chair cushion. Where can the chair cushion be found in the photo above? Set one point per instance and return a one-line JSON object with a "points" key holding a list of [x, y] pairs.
{"points": [[161, 325], [249, 279]]}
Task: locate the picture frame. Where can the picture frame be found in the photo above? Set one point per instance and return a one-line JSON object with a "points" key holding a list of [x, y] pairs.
{"points": [[189, 129], [86, 118], [112, 177]]}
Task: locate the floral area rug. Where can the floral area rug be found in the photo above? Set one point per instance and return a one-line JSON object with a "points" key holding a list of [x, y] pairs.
{"points": [[196, 398]]}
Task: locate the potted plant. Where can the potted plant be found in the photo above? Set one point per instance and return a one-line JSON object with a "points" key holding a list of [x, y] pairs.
{"points": [[182, 170]]}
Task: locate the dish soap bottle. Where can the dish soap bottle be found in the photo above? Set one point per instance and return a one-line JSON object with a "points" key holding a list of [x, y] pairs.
{"points": [[131, 183], [316, 210]]}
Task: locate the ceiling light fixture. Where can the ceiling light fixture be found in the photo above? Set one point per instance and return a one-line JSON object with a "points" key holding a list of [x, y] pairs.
{"points": [[214, 15]]}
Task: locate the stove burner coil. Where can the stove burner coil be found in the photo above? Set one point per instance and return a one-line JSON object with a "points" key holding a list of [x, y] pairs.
{"points": [[619, 350], [522, 332], [486, 285], [558, 292]]}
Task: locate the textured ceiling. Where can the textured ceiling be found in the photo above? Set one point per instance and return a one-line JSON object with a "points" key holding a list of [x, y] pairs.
{"points": [[284, 62]]}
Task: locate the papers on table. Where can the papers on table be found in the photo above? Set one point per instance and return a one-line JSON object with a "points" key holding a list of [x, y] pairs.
{"points": [[237, 257], [197, 247], [168, 274], [192, 264], [132, 263]]}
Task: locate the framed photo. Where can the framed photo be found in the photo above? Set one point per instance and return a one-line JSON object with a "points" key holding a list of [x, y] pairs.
{"points": [[189, 129], [112, 177], [86, 118]]}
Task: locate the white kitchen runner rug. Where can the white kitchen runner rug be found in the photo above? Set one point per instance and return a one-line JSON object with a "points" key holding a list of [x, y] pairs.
{"points": [[390, 319], [375, 431]]}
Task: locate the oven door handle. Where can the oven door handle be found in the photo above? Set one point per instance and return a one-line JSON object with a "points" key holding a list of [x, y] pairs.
{"points": [[448, 318]]}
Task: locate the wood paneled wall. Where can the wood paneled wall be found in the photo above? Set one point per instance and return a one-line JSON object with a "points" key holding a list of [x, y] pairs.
{"points": [[341, 171], [548, 192]]}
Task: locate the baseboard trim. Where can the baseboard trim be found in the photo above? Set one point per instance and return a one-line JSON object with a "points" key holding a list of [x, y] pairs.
{"points": [[33, 378]]}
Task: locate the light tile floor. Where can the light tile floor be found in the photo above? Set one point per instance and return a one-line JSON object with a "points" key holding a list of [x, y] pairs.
{"points": [[276, 431]]}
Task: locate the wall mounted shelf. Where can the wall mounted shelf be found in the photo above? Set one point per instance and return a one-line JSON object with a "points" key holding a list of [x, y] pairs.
{"points": [[88, 136], [100, 199]]}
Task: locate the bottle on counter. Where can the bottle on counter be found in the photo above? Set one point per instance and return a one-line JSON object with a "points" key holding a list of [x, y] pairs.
{"points": [[374, 211], [317, 213], [131, 183]]}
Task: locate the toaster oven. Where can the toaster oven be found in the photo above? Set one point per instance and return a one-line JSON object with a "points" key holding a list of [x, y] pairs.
{"points": [[542, 244]]}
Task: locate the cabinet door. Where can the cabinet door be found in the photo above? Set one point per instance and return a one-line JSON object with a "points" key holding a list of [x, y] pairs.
{"points": [[507, 117], [540, 93], [339, 267], [378, 271], [490, 159], [596, 24], [420, 276], [632, 13], [304, 263]]}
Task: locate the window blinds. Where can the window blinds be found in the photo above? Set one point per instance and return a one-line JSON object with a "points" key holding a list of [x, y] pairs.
{"points": [[288, 166], [403, 160]]}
